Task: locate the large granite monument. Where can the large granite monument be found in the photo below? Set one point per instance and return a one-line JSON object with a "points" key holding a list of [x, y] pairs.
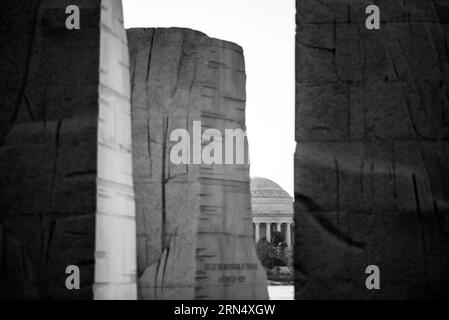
{"points": [[194, 223], [372, 161], [66, 189]]}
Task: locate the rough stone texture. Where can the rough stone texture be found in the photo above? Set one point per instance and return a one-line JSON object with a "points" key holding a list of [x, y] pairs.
{"points": [[372, 162], [64, 101], [194, 229]]}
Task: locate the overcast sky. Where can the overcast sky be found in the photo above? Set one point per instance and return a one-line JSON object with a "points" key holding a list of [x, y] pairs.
{"points": [[265, 29]]}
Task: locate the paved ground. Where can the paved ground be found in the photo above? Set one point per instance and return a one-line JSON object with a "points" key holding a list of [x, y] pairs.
{"points": [[281, 292]]}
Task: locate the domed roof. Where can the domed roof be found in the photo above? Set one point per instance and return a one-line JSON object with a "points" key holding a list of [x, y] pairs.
{"points": [[266, 188], [269, 200]]}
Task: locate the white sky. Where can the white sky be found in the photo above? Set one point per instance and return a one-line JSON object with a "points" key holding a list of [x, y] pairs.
{"points": [[266, 30]]}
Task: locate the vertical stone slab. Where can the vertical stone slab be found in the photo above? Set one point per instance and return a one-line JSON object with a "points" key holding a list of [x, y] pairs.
{"points": [[167, 196], [194, 228], [227, 263], [371, 165], [56, 118], [115, 250]]}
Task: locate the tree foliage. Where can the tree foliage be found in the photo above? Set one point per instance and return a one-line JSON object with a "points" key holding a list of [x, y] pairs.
{"points": [[266, 253], [274, 253]]}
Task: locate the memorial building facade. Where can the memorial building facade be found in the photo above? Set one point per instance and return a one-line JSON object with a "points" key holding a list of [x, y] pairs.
{"points": [[272, 209]]}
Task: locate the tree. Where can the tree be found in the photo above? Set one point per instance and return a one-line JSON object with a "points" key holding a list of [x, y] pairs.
{"points": [[279, 245], [277, 239], [288, 257], [266, 253]]}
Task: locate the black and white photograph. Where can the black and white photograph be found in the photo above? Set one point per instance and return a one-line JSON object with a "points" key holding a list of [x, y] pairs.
{"points": [[230, 157]]}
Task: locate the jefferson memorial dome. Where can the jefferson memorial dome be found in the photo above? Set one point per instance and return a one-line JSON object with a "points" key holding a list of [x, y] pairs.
{"points": [[272, 209]]}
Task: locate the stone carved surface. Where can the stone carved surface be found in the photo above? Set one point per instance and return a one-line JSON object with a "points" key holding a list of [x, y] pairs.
{"points": [[58, 113], [194, 224], [372, 161], [115, 243]]}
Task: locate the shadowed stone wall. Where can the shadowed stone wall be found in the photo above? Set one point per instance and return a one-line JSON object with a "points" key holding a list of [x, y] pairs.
{"points": [[66, 195], [372, 161], [194, 224]]}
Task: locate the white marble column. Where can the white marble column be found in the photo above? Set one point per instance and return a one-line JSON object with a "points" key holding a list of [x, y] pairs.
{"points": [[268, 232], [288, 235], [278, 227], [257, 232]]}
